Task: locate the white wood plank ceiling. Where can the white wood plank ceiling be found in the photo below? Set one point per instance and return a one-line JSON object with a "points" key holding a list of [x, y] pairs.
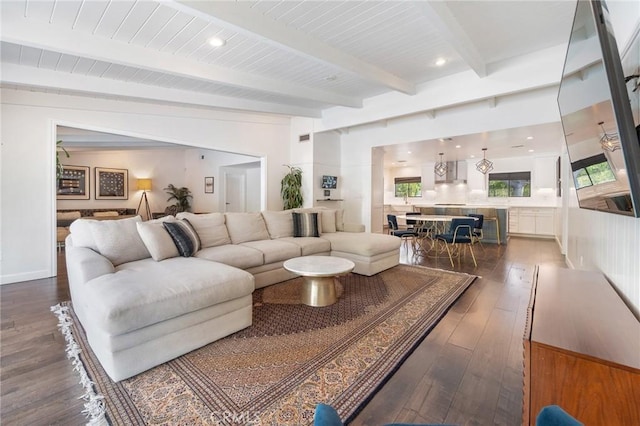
{"points": [[287, 57]]}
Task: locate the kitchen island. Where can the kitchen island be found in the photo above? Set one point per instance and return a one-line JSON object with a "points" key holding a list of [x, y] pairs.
{"points": [[496, 218]]}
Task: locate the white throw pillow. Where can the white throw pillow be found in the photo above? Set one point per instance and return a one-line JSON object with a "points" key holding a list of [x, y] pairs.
{"points": [[328, 218], [118, 240], [156, 238], [210, 228], [245, 227], [68, 215], [105, 214], [279, 223]]}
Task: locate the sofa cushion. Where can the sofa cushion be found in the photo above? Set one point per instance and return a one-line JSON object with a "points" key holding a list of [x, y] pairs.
{"points": [[82, 235], [106, 214], [210, 228], [245, 227], [118, 240], [66, 218], [328, 219], [156, 238], [309, 245], [233, 255], [279, 224], [145, 292], [362, 243], [184, 236], [305, 225], [340, 220], [274, 250]]}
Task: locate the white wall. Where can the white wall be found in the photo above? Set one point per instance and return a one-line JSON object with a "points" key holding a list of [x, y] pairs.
{"points": [[201, 163], [27, 170]]}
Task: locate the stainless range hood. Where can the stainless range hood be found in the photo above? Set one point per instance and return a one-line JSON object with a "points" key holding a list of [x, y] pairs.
{"points": [[456, 173]]}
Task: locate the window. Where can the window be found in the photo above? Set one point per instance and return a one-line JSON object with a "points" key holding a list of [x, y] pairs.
{"points": [[408, 186], [592, 171], [516, 184]]}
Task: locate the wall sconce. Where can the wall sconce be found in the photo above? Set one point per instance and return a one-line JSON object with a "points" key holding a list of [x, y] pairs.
{"points": [[440, 168], [484, 166], [144, 185], [609, 141]]}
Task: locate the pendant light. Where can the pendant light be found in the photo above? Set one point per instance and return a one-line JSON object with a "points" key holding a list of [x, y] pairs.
{"points": [[484, 166], [609, 141], [441, 167]]}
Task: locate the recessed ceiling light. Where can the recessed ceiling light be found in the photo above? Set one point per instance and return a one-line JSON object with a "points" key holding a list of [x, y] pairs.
{"points": [[473, 156], [217, 42], [458, 146], [530, 150], [440, 62], [408, 152], [529, 137]]}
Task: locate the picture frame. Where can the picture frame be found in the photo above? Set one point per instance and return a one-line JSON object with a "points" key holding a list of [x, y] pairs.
{"points": [[111, 184], [73, 183], [208, 185]]}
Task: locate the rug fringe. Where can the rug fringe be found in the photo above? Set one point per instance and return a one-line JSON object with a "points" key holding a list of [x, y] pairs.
{"points": [[94, 406]]}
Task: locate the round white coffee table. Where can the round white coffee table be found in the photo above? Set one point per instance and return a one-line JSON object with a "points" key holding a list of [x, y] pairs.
{"points": [[319, 274]]}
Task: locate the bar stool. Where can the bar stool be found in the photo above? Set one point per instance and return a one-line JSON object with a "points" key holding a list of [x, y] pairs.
{"points": [[491, 215]]}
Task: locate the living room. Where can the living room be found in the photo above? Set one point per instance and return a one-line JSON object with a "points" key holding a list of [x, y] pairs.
{"points": [[516, 92]]}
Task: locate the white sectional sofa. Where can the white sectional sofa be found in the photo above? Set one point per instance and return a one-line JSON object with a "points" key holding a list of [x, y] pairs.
{"points": [[144, 298]]}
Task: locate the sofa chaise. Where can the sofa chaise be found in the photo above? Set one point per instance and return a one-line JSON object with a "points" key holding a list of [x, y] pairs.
{"points": [[147, 292]]}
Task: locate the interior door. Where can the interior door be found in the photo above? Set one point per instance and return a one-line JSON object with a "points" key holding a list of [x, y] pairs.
{"points": [[234, 192]]}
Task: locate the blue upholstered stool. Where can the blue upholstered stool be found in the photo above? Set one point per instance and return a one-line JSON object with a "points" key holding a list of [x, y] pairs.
{"points": [[551, 415]]}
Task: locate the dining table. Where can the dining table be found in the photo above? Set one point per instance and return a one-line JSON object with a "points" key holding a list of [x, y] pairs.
{"points": [[430, 226]]}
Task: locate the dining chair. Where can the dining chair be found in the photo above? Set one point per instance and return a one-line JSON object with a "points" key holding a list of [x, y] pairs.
{"points": [[405, 235], [460, 234], [477, 234], [411, 223]]}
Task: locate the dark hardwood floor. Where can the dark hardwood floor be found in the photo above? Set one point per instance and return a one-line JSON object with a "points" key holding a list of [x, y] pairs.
{"points": [[468, 371]]}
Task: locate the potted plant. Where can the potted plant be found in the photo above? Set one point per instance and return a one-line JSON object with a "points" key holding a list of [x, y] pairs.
{"points": [[59, 165], [291, 188], [181, 195]]}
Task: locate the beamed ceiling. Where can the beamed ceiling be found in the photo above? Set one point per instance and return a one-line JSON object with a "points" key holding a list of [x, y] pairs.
{"points": [[286, 57]]}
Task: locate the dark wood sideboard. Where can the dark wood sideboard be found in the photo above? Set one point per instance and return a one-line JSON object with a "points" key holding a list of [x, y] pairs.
{"points": [[581, 349]]}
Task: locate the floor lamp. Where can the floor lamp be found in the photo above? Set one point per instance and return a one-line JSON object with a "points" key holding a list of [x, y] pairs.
{"points": [[144, 185]]}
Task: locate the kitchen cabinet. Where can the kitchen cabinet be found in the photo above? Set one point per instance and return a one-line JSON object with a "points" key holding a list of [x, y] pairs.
{"points": [[532, 220]]}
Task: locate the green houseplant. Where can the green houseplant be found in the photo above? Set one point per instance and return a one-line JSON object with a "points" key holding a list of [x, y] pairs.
{"points": [[182, 196], [59, 166], [291, 188]]}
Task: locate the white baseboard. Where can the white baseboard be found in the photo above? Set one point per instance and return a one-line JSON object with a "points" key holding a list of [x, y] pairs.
{"points": [[26, 276]]}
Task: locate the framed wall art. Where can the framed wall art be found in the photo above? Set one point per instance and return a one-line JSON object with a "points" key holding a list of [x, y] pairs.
{"points": [[208, 185], [73, 183], [112, 184]]}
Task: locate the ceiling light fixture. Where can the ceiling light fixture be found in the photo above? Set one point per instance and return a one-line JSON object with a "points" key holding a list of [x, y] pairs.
{"points": [[484, 166], [217, 42], [609, 141], [441, 167], [529, 138], [440, 62]]}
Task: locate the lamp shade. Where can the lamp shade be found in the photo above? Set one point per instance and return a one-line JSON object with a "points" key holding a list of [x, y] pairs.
{"points": [[144, 184]]}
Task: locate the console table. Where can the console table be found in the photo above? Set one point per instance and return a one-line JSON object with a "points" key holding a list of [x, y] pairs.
{"points": [[581, 349]]}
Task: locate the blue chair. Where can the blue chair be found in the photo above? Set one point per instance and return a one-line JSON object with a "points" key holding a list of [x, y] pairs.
{"points": [[326, 415], [553, 415], [460, 233], [405, 235], [477, 229]]}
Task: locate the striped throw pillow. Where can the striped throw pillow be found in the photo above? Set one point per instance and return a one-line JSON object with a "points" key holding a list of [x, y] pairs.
{"points": [[305, 225], [184, 237]]}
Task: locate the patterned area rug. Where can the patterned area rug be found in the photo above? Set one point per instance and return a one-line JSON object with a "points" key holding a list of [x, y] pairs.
{"points": [[291, 358]]}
